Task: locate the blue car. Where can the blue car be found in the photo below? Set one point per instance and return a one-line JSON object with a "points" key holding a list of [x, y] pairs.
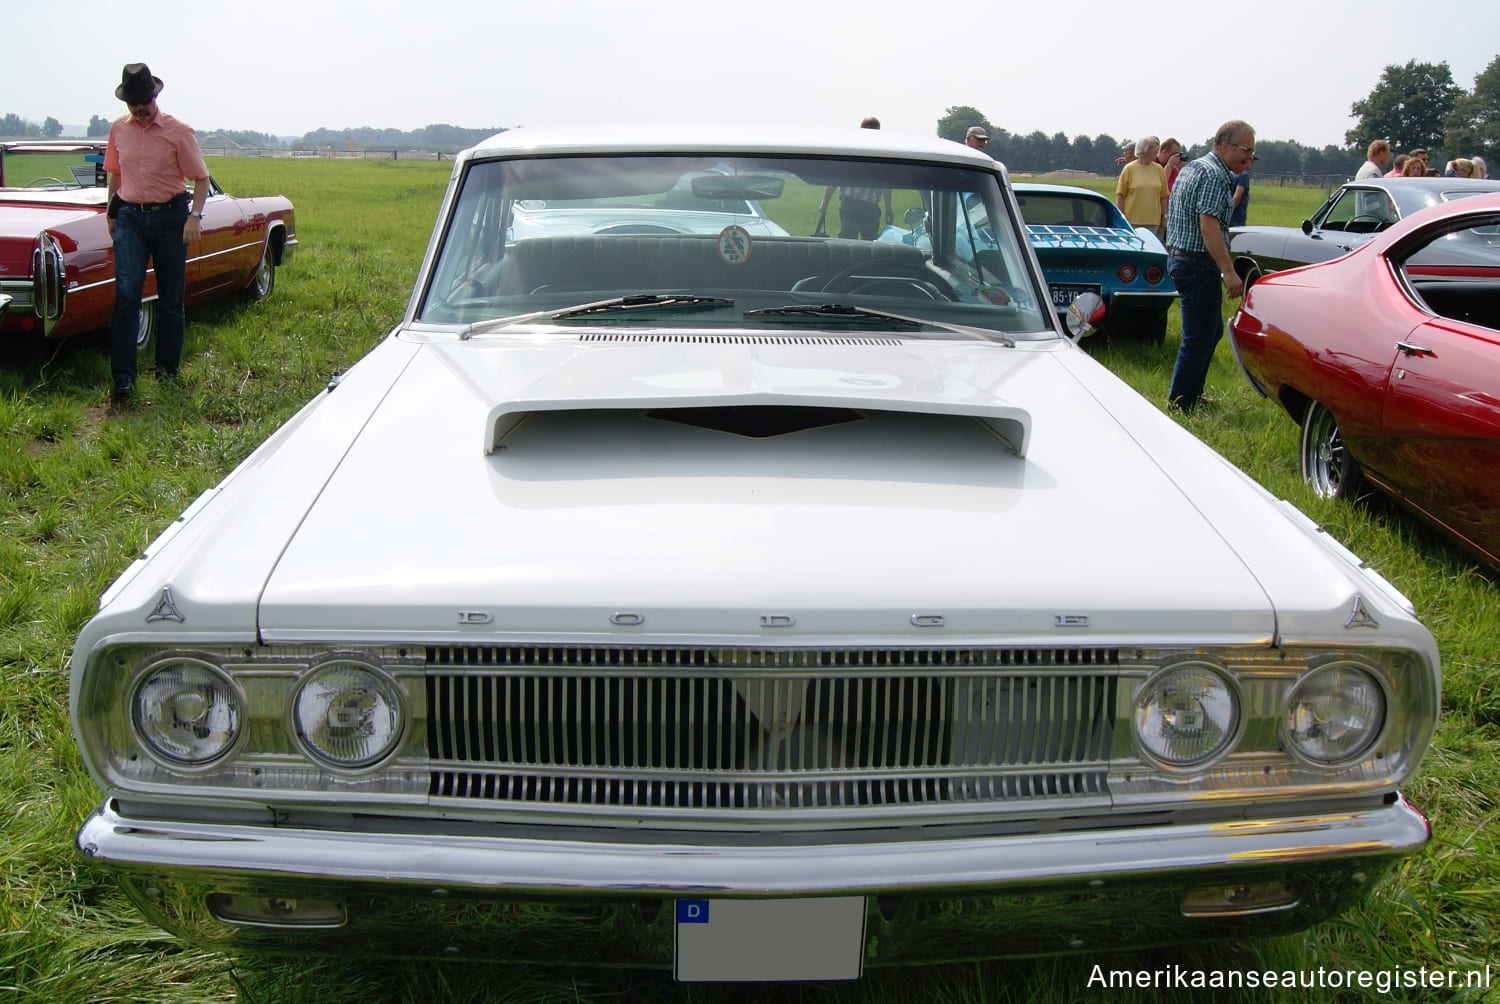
{"points": [[1085, 245]]}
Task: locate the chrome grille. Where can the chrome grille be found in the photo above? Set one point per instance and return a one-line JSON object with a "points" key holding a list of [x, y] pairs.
{"points": [[700, 728]]}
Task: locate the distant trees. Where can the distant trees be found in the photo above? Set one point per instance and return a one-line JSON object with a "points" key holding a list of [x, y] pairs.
{"points": [[1474, 126], [51, 128], [1038, 153], [1410, 106], [98, 126]]}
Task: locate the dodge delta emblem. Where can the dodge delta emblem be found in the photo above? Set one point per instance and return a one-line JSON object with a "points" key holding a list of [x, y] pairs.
{"points": [[1360, 617], [165, 610]]}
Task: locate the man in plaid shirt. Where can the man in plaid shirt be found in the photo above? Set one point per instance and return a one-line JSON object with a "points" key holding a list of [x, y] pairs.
{"points": [[1197, 221]]}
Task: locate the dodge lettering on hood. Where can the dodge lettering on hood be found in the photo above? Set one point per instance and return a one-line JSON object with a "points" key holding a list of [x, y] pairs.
{"points": [[680, 586]]}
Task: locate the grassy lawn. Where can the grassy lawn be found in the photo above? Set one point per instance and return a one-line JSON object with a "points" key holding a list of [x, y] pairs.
{"points": [[84, 489]]}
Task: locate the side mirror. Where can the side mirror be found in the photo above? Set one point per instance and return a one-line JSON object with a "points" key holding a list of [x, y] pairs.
{"points": [[913, 216], [1307, 227], [1084, 315]]}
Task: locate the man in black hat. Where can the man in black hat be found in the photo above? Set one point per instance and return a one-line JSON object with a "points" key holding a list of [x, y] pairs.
{"points": [[150, 153]]}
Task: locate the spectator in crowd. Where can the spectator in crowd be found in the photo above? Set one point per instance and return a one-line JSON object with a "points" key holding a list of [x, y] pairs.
{"points": [[1481, 169], [1415, 167], [1376, 157], [148, 155], [976, 137], [1418, 154], [1460, 167], [1197, 219], [1240, 198], [859, 208], [1141, 192], [1397, 165], [1170, 159]]}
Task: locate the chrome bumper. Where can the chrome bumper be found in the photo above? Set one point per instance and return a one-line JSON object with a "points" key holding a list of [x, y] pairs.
{"points": [[530, 866], [443, 895]]}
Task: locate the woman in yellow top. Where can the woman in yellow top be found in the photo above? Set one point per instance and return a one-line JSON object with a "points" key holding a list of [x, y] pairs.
{"points": [[1142, 191]]}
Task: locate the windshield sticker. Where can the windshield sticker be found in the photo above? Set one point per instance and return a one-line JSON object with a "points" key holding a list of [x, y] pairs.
{"points": [[735, 245]]}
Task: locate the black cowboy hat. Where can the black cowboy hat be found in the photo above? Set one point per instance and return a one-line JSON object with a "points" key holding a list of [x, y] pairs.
{"points": [[137, 85]]}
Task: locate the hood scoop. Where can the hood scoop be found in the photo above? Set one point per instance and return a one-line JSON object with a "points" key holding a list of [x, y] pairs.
{"points": [[735, 338], [734, 384], [757, 422]]}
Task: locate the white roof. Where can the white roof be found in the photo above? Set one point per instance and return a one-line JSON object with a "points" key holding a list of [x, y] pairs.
{"points": [[680, 138]]}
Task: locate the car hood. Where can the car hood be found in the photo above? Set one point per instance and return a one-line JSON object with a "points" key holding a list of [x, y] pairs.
{"points": [[550, 482]]}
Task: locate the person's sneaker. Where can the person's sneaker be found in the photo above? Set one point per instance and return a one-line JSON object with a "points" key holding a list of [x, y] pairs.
{"points": [[123, 389]]}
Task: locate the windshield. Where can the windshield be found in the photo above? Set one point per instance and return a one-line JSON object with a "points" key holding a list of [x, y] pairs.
{"points": [[725, 241]]}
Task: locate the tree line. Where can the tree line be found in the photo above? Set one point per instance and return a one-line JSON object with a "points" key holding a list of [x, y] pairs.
{"points": [[438, 137], [1415, 105]]}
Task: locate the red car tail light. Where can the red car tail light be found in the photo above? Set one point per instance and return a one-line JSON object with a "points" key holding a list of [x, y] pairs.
{"points": [[1154, 274], [1126, 273]]}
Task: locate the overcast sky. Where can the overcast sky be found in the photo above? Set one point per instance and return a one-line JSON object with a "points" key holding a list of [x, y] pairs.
{"points": [[285, 67]]}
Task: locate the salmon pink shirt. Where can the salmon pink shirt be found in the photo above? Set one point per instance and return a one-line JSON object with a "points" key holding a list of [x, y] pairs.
{"points": [[153, 159]]}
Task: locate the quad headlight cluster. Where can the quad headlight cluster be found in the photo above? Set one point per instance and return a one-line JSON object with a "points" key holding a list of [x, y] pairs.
{"points": [[1189, 713], [344, 714]]}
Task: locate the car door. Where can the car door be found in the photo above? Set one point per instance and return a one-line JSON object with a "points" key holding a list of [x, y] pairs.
{"points": [[1441, 421], [1341, 226], [216, 263]]}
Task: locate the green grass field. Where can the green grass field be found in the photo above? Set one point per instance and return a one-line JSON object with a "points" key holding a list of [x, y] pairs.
{"points": [[84, 489]]}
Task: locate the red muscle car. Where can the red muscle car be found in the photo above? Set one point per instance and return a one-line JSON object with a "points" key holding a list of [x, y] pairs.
{"points": [[1389, 357], [57, 262]]}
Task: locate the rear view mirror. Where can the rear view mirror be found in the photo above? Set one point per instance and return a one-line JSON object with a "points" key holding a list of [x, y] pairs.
{"points": [[744, 187], [1084, 315]]}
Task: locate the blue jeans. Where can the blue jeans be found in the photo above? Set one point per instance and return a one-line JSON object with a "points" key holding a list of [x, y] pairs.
{"points": [[1202, 303], [140, 237]]}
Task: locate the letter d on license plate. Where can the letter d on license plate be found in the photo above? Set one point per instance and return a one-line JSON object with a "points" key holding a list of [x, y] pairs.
{"points": [[769, 940]]}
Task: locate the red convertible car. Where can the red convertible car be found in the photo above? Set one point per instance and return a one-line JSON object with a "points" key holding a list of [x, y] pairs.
{"points": [[1389, 357], [57, 263]]}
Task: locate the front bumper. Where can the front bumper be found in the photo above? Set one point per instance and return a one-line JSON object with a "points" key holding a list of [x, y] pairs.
{"points": [[404, 893]]}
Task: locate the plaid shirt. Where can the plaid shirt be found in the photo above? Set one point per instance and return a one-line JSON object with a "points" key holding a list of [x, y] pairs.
{"points": [[1204, 186], [861, 194]]}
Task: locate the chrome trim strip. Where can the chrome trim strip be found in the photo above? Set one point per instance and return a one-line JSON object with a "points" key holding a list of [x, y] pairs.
{"points": [[429, 860]]}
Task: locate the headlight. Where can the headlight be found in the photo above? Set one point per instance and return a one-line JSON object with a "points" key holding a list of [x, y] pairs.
{"points": [[1186, 714], [347, 714], [186, 711], [1333, 714]]}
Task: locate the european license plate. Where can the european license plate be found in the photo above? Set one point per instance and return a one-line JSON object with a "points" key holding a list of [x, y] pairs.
{"points": [[1063, 296], [769, 940]]}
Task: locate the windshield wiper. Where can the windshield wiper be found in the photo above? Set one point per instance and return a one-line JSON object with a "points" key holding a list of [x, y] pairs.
{"points": [[849, 311], [637, 301]]}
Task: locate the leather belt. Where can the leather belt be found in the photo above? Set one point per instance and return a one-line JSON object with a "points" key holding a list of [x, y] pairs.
{"points": [[156, 207], [1191, 255]]}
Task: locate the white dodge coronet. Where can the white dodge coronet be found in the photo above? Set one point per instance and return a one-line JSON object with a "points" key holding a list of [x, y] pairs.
{"points": [[757, 604]]}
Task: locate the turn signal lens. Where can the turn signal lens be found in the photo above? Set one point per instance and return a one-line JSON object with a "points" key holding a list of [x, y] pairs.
{"points": [[348, 715], [187, 712], [1333, 714], [1126, 273], [1186, 714]]}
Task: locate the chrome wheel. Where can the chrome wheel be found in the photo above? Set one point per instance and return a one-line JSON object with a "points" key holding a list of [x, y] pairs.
{"points": [[264, 279], [145, 331], [1327, 464]]}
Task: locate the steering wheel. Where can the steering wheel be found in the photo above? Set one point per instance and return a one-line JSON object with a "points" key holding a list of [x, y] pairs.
{"points": [[1367, 218], [860, 276], [39, 182]]}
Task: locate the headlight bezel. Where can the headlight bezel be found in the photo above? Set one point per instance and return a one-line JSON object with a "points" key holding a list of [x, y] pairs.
{"points": [[1229, 740], [147, 674], [391, 690], [1373, 740]]}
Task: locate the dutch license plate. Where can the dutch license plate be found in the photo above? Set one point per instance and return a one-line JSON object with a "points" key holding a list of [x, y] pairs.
{"points": [[769, 940], [1063, 296]]}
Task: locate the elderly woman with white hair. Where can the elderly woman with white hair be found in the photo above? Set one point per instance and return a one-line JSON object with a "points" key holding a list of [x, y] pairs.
{"points": [[1481, 169], [1141, 192]]}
